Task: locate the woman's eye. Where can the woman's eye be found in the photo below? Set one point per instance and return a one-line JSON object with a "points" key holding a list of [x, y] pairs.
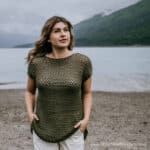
{"points": [[66, 29]]}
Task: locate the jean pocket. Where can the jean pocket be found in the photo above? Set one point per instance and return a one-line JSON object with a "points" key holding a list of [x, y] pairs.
{"points": [[80, 131], [31, 126]]}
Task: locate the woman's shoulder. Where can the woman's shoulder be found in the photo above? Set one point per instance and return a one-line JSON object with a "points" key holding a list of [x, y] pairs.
{"points": [[36, 60], [83, 57]]}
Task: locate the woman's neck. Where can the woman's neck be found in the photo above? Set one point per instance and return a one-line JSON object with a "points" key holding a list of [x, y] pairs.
{"points": [[60, 53]]}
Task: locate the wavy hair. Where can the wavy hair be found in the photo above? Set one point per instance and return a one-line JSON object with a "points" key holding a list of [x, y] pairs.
{"points": [[42, 46]]}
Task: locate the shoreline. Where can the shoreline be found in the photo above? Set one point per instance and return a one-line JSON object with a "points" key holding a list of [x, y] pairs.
{"points": [[93, 91], [135, 45]]}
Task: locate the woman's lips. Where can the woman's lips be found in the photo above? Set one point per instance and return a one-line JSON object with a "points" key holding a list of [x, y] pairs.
{"points": [[63, 40]]}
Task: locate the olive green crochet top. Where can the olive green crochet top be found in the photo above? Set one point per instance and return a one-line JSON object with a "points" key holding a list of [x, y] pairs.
{"points": [[60, 94]]}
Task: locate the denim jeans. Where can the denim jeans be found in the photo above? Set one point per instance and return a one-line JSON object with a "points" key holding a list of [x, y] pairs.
{"points": [[74, 142]]}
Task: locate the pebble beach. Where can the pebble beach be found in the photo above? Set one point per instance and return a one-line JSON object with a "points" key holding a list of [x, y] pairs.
{"points": [[119, 121]]}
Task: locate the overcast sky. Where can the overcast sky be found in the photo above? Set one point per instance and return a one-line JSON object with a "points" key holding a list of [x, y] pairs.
{"points": [[28, 16]]}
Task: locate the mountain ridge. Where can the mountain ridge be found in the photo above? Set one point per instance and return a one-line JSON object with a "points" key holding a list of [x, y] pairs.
{"points": [[129, 26]]}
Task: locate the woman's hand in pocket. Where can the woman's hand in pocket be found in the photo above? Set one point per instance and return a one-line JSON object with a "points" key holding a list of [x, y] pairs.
{"points": [[32, 117], [82, 124]]}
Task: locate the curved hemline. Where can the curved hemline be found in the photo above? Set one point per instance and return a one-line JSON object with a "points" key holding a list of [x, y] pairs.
{"points": [[58, 140]]}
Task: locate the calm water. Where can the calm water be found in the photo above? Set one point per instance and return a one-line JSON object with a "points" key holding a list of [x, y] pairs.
{"points": [[114, 69]]}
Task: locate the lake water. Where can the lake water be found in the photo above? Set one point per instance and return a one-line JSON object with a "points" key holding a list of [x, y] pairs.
{"points": [[114, 68]]}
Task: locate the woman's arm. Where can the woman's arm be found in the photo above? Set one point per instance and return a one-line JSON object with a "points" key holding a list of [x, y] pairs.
{"points": [[87, 104], [30, 99], [87, 99]]}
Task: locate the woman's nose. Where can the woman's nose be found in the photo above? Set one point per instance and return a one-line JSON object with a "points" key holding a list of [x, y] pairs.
{"points": [[63, 32]]}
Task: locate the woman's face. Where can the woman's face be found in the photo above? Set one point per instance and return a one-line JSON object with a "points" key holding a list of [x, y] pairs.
{"points": [[60, 35]]}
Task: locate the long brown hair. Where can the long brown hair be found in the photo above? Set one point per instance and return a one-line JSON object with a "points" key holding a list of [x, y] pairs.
{"points": [[42, 46]]}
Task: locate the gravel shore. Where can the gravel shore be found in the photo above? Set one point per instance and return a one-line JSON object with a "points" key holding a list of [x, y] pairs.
{"points": [[119, 121]]}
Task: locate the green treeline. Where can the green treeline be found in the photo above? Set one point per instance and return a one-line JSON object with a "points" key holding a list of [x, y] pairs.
{"points": [[128, 26]]}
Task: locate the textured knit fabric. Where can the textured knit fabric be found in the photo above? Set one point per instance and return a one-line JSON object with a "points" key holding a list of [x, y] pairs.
{"points": [[59, 102]]}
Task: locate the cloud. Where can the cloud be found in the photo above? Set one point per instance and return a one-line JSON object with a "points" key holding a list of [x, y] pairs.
{"points": [[28, 16]]}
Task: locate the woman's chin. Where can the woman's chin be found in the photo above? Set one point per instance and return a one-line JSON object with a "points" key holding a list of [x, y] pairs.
{"points": [[62, 45]]}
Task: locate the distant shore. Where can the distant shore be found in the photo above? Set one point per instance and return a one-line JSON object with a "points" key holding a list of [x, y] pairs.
{"points": [[98, 46], [7, 83], [148, 46], [118, 120]]}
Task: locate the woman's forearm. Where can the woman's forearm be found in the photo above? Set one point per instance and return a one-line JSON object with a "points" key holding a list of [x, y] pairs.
{"points": [[29, 102], [87, 104]]}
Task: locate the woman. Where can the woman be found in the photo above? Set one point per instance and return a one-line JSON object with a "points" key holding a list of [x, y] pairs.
{"points": [[60, 111]]}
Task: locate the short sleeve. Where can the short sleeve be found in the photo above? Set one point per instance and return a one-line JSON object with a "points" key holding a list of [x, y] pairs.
{"points": [[88, 69], [31, 70]]}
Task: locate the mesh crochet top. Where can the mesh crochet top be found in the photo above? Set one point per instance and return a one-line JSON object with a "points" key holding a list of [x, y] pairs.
{"points": [[60, 94]]}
